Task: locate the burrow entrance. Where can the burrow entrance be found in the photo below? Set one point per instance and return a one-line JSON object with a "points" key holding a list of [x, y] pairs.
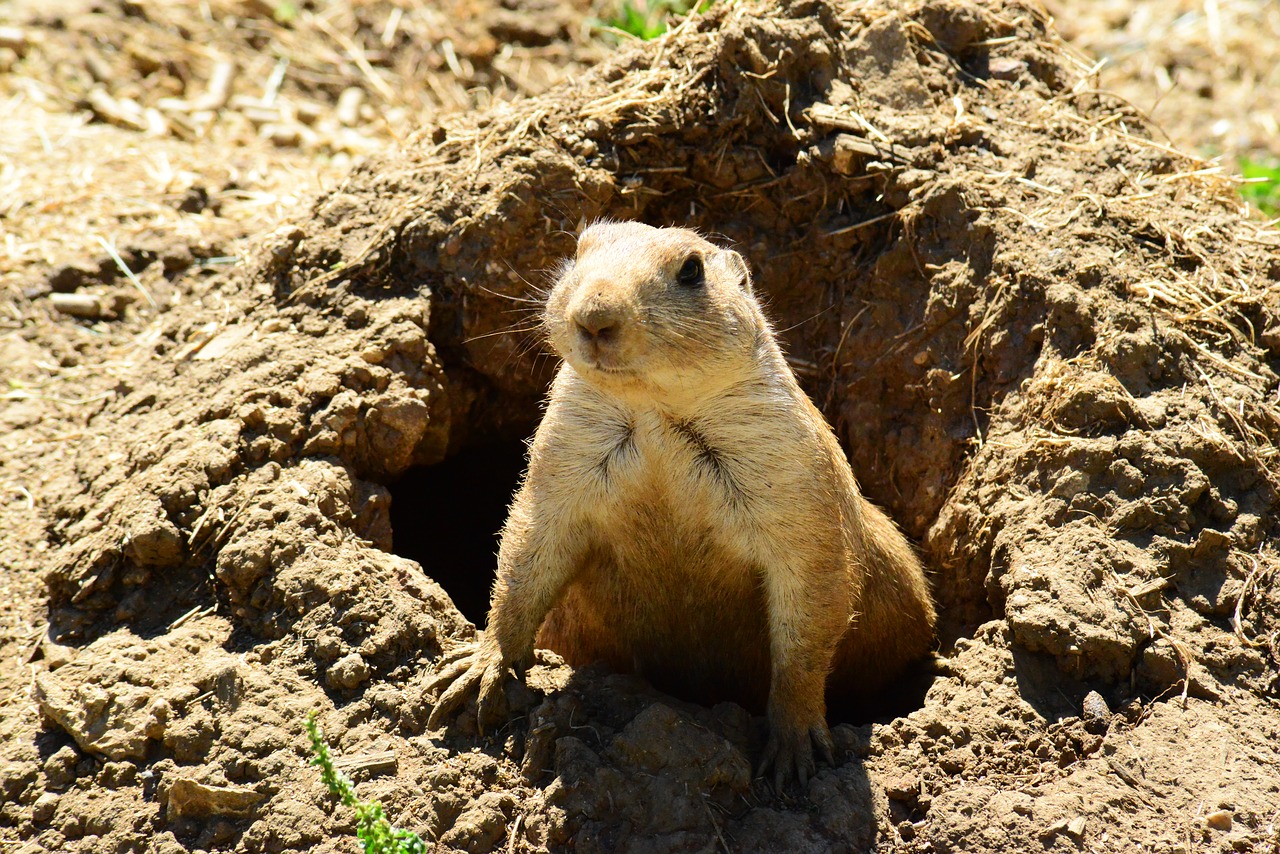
{"points": [[447, 517]]}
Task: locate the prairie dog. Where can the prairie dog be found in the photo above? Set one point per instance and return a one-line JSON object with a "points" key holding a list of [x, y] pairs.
{"points": [[687, 512]]}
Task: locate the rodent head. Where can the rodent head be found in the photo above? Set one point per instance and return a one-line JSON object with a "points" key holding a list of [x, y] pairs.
{"points": [[653, 310]]}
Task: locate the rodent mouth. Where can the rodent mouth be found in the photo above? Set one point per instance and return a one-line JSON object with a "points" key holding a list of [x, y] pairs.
{"points": [[596, 365], [608, 369]]}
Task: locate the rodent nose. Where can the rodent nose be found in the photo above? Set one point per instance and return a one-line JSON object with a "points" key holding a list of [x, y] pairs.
{"points": [[597, 325]]}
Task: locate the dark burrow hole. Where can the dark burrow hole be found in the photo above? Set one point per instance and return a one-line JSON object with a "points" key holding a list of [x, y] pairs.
{"points": [[448, 518]]}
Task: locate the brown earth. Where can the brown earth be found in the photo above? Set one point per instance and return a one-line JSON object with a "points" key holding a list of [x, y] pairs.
{"points": [[1049, 341]]}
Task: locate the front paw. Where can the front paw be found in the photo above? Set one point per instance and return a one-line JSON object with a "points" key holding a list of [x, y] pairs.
{"points": [[789, 753], [476, 668]]}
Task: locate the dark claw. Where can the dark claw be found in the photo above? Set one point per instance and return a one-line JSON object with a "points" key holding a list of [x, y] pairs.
{"points": [[447, 676], [453, 697], [791, 757], [456, 654]]}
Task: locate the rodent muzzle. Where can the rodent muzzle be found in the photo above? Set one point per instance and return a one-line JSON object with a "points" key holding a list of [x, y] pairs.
{"points": [[602, 330], [598, 329]]}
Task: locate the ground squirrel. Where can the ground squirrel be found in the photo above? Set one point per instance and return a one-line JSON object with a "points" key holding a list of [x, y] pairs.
{"points": [[687, 512]]}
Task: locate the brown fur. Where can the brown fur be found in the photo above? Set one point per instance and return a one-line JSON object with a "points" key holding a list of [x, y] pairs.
{"points": [[687, 512]]}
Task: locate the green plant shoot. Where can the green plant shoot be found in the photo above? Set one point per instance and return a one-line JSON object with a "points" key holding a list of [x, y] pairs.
{"points": [[647, 19], [372, 827], [1263, 189]]}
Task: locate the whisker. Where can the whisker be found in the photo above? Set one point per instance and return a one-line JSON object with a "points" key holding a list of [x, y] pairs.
{"points": [[806, 320], [500, 332], [534, 301], [522, 278]]}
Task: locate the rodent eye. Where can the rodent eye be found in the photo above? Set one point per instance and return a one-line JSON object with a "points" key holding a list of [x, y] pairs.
{"points": [[691, 274]]}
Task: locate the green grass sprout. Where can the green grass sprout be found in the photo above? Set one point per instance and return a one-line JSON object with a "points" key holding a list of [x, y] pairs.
{"points": [[372, 827], [647, 19], [1263, 187]]}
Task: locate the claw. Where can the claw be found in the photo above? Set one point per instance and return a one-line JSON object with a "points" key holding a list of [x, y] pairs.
{"points": [[448, 675], [822, 737], [453, 697], [475, 668], [490, 690], [790, 755], [457, 654]]}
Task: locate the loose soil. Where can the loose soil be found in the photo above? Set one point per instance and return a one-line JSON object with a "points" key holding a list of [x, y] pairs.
{"points": [[1049, 340]]}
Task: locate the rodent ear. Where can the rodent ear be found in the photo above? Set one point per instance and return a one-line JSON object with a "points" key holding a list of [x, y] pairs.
{"points": [[735, 266]]}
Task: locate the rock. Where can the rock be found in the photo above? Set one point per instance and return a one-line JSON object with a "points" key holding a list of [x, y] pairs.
{"points": [[153, 540], [192, 799], [904, 788], [1219, 820], [55, 654], [60, 768], [1096, 712], [483, 824], [348, 672], [955, 761], [1002, 68], [42, 809], [106, 698], [16, 778], [88, 306], [112, 721]]}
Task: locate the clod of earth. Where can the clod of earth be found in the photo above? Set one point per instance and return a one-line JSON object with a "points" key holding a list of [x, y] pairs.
{"points": [[1048, 343], [193, 799]]}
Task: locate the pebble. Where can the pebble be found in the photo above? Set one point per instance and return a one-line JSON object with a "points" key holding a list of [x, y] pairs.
{"points": [[77, 305], [1219, 820], [348, 672], [42, 809], [1095, 711]]}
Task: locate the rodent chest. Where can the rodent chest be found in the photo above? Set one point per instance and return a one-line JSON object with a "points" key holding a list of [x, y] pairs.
{"points": [[658, 466]]}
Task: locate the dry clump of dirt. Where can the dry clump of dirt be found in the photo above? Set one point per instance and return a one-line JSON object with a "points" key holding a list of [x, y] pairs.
{"points": [[1049, 342]]}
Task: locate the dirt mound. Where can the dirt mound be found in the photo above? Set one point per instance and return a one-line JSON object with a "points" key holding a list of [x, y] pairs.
{"points": [[1049, 343]]}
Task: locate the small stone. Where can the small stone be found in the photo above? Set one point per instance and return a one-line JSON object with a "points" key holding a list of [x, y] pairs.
{"points": [[1219, 820], [60, 768], [153, 540], [189, 798], [110, 721], [348, 672], [73, 826], [905, 789], [483, 824], [55, 654], [87, 306], [957, 760], [329, 645], [1096, 712], [1075, 827], [1002, 68], [42, 809]]}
